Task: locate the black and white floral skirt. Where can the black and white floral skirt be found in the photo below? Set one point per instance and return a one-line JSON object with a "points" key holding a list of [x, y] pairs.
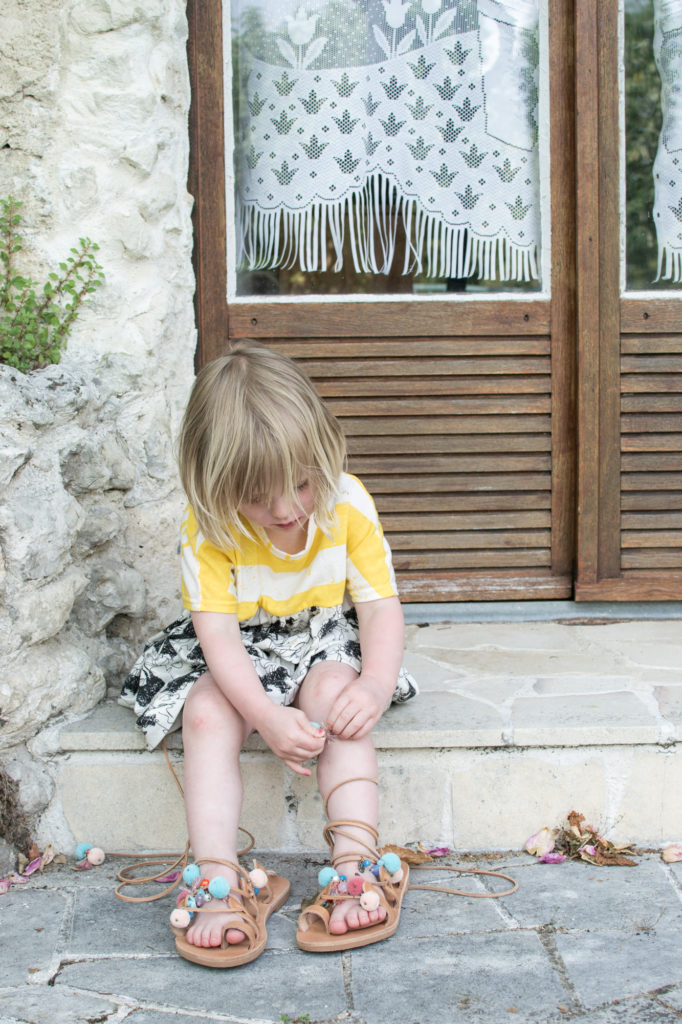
{"points": [[282, 652]]}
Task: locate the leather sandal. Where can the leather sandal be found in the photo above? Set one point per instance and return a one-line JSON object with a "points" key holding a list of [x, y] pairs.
{"points": [[257, 896], [344, 880]]}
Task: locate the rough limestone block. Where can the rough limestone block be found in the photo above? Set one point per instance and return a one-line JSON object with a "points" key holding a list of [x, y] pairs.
{"points": [[97, 464], [35, 784], [38, 522], [40, 612], [57, 675], [114, 589]]}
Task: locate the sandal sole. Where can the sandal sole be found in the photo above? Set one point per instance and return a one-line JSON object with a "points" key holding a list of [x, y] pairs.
{"points": [[317, 939], [235, 956]]}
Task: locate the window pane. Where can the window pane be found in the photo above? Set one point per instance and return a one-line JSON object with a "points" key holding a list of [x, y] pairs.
{"points": [[383, 146], [653, 143]]}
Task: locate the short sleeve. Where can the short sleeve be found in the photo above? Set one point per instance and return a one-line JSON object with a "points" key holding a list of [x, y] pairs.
{"points": [[207, 571], [369, 569]]}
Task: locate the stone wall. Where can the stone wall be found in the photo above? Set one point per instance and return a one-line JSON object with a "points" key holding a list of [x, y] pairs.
{"points": [[94, 100]]}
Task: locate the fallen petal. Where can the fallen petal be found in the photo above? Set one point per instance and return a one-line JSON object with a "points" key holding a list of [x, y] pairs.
{"points": [[33, 866], [540, 843], [551, 858], [588, 848], [672, 853], [439, 851]]}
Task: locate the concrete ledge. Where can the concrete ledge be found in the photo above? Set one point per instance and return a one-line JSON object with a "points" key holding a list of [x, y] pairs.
{"points": [[516, 725]]}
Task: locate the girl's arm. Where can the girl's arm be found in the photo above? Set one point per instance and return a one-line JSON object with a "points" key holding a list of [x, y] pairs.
{"points": [[362, 703], [286, 730]]}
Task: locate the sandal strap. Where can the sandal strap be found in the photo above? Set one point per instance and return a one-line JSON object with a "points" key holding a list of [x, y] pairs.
{"points": [[356, 778], [338, 827], [466, 871], [333, 829]]}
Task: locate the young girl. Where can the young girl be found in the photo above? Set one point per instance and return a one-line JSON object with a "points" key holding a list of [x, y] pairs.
{"points": [[294, 629]]}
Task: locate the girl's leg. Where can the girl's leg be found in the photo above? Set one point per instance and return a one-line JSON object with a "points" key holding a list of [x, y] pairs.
{"points": [[213, 733], [358, 801]]}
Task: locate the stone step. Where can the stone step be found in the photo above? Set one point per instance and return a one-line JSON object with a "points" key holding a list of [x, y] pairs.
{"points": [[516, 725]]}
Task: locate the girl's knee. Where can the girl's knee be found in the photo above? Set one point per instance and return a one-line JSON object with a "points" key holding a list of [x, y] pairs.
{"points": [[325, 681], [207, 707]]}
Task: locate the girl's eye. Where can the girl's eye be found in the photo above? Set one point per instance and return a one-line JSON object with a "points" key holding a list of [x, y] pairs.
{"points": [[302, 486]]}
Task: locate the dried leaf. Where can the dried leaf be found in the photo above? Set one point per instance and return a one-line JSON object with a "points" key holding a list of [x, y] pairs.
{"points": [[574, 819], [409, 856], [576, 841], [614, 859]]}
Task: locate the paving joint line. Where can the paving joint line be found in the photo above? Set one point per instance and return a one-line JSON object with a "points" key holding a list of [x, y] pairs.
{"points": [[347, 974], [546, 933]]}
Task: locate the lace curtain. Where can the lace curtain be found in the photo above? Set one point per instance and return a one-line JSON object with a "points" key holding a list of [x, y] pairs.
{"points": [[361, 121], [668, 162]]}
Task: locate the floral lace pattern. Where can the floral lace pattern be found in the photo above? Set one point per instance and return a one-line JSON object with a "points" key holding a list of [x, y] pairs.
{"points": [[353, 120]]}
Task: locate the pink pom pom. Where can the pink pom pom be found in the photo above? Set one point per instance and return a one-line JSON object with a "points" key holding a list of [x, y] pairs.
{"points": [[258, 878], [180, 918], [370, 900], [397, 876], [355, 886], [95, 856]]}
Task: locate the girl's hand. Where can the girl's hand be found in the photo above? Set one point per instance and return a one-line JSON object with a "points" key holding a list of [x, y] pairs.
{"points": [[358, 708], [291, 736]]}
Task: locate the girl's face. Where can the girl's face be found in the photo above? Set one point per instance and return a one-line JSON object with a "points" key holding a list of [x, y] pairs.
{"points": [[277, 516]]}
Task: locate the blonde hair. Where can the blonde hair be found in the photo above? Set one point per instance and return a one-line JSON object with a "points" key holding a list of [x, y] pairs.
{"points": [[254, 424]]}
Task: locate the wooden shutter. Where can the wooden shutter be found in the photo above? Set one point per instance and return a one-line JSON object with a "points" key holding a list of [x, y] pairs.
{"points": [[459, 413], [630, 359]]}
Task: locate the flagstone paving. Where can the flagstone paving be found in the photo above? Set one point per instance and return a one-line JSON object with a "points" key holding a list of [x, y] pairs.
{"points": [[575, 943]]}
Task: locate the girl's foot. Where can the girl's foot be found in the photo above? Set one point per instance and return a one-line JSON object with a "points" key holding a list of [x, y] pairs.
{"points": [[348, 915], [207, 928]]}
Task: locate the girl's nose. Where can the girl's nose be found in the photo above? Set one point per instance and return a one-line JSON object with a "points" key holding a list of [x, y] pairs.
{"points": [[279, 509]]}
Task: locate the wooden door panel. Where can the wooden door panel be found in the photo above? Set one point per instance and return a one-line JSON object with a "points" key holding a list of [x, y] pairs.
{"points": [[630, 365], [459, 412]]}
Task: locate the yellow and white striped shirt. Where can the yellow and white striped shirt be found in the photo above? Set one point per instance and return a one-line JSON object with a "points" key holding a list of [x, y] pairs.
{"points": [[354, 561]]}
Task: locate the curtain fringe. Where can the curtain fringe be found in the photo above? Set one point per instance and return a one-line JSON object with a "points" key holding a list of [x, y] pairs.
{"points": [[669, 264], [288, 239]]}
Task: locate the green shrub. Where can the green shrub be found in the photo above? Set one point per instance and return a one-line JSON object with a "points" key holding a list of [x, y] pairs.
{"points": [[36, 322]]}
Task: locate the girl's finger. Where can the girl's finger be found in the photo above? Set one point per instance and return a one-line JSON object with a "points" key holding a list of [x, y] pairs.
{"points": [[298, 768]]}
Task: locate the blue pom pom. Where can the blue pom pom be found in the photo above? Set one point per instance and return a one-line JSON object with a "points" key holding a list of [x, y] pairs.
{"points": [[391, 862], [191, 874], [82, 849], [190, 902], [219, 887], [325, 876]]}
